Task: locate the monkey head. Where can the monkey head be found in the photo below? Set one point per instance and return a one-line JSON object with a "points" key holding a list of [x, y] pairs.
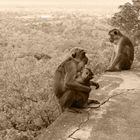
{"points": [[115, 35], [87, 74], [82, 63], [78, 53]]}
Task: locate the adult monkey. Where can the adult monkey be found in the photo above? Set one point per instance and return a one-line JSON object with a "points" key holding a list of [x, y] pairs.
{"points": [[123, 55], [65, 78]]}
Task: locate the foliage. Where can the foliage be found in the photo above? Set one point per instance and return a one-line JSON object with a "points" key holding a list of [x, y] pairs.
{"points": [[27, 101], [126, 19]]}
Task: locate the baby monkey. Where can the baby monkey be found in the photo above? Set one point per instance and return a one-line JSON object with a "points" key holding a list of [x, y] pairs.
{"points": [[84, 77], [78, 99]]}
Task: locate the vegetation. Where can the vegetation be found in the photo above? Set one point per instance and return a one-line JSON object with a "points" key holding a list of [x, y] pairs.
{"points": [[31, 48], [127, 20]]}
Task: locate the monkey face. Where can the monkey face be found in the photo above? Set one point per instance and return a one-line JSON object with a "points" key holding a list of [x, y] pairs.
{"points": [[111, 39], [114, 35], [81, 65], [87, 74], [78, 53]]}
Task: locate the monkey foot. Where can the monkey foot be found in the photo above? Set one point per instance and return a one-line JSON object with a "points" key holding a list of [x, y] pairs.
{"points": [[93, 102], [112, 70], [93, 106], [73, 110]]}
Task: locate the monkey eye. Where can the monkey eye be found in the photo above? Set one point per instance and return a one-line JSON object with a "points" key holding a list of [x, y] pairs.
{"points": [[115, 32], [83, 54]]}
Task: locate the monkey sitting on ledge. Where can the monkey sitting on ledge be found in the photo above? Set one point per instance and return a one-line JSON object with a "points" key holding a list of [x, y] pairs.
{"points": [[123, 54], [66, 88], [81, 99], [85, 78]]}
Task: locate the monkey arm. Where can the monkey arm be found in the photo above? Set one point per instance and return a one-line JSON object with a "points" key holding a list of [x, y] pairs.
{"points": [[118, 56], [112, 58], [77, 86], [70, 82], [116, 61], [94, 84]]}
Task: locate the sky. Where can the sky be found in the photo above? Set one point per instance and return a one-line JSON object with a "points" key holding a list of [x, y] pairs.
{"points": [[62, 2], [98, 6]]}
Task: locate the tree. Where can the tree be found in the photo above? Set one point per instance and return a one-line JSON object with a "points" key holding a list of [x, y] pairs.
{"points": [[127, 18]]}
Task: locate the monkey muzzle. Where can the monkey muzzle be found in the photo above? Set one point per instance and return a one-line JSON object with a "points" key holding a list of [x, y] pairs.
{"points": [[111, 40]]}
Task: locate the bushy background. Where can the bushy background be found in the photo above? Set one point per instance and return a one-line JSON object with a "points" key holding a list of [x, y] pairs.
{"points": [[31, 48]]}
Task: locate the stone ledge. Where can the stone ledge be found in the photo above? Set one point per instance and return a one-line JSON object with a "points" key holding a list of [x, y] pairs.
{"points": [[113, 120]]}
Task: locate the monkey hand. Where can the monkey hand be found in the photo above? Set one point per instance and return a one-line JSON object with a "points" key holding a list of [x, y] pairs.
{"points": [[109, 69], [112, 70], [89, 90], [97, 85]]}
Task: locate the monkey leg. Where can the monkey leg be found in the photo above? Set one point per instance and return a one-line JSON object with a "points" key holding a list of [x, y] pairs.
{"points": [[122, 65], [113, 69], [125, 64], [116, 68], [90, 101], [74, 110], [67, 99], [81, 100]]}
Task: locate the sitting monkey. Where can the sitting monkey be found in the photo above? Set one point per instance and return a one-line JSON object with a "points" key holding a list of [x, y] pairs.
{"points": [[85, 77], [123, 54], [80, 99]]}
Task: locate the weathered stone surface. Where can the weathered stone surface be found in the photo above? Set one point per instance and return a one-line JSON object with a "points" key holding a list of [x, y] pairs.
{"points": [[117, 117]]}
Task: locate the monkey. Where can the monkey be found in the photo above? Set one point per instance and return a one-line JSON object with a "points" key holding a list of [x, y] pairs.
{"points": [[80, 99], [66, 72], [85, 77], [65, 77], [123, 55]]}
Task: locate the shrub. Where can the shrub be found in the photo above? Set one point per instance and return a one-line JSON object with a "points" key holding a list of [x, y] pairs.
{"points": [[27, 100]]}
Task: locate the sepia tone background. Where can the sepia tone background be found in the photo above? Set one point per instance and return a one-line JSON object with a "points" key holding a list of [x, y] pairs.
{"points": [[35, 37]]}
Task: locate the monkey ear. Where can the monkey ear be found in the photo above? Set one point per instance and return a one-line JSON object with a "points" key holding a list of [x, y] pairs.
{"points": [[116, 32], [74, 52], [77, 51], [73, 55]]}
